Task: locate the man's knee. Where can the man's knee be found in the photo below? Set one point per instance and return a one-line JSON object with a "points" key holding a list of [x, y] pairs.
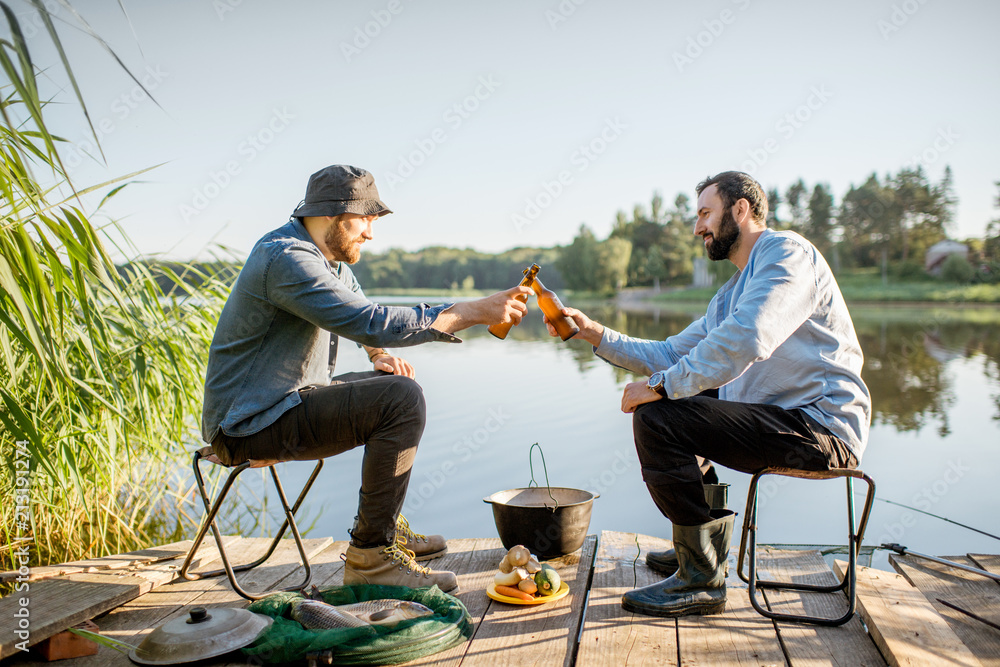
{"points": [[406, 395], [652, 421]]}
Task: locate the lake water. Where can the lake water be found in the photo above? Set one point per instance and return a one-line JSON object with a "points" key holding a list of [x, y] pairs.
{"points": [[934, 375]]}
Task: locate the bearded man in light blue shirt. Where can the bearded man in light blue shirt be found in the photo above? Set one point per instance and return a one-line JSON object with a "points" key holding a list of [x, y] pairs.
{"points": [[769, 377]]}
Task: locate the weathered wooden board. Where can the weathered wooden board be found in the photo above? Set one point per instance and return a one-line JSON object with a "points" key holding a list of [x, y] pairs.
{"points": [[969, 591], [988, 562], [611, 635], [539, 634], [116, 562], [848, 645], [903, 623], [739, 636]]}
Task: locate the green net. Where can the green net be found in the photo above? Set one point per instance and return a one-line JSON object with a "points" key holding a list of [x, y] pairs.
{"points": [[287, 641]]}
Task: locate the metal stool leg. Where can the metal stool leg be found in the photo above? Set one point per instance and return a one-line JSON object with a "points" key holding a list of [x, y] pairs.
{"points": [[212, 509], [855, 536]]}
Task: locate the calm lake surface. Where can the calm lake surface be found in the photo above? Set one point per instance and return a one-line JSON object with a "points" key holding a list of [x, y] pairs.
{"points": [[934, 375]]}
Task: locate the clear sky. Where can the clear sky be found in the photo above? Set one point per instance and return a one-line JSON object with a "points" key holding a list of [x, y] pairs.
{"points": [[501, 124]]}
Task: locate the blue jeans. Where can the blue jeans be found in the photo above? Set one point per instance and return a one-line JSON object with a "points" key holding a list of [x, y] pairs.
{"points": [[385, 413]]}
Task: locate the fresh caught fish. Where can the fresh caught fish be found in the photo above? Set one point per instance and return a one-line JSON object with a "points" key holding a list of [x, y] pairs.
{"points": [[316, 615], [386, 612]]}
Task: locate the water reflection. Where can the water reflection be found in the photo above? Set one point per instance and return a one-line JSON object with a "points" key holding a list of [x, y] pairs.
{"points": [[906, 352], [906, 356]]}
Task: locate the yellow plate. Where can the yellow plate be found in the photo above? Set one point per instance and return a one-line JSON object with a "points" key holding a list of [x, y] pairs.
{"points": [[563, 591]]}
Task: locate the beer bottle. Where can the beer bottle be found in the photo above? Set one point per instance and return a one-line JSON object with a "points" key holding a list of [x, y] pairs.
{"points": [[501, 330], [550, 304]]}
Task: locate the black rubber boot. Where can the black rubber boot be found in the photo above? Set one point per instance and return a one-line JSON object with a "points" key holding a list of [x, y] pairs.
{"points": [[699, 585], [665, 562]]}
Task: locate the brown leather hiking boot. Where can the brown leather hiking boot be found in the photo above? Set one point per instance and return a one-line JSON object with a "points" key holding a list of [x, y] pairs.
{"points": [[424, 547], [393, 565]]}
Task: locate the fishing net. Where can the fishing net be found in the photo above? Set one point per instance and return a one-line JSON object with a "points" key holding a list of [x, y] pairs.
{"points": [[287, 641]]}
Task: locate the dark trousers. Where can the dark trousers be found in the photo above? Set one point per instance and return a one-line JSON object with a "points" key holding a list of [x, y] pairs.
{"points": [[385, 413], [671, 435]]}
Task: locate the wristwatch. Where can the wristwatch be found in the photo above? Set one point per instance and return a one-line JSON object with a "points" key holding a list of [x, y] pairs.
{"points": [[656, 383]]}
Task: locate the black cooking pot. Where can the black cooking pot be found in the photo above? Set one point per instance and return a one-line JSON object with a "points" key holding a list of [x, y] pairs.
{"points": [[548, 525]]}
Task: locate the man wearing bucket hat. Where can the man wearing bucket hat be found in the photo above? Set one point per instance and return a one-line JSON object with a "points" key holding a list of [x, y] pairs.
{"points": [[269, 390], [778, 346]]}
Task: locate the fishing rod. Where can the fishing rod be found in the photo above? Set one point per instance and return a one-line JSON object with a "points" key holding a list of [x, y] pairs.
{"points": [[903, 551], [981, 532]]}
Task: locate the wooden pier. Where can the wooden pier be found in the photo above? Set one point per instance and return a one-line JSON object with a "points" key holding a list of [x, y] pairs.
{"points": [[899, 620]]}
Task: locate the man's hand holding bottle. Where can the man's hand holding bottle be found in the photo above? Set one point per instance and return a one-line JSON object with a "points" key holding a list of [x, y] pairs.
{"points": [[590, 330]]}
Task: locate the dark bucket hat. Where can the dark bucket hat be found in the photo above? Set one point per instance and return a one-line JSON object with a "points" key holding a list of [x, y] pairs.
{"points": [[341, 188]]}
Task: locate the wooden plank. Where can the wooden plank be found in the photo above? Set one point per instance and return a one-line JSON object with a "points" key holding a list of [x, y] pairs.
{"points": [[115, 562], [903, 623], [327, 567], [611, 635], [988, 562], [533, 635], [60, 603], [969, 591], [848, 645], [738, 636]]}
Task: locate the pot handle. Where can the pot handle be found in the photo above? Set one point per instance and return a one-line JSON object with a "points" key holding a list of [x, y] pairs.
{"points": [[487, 500]]}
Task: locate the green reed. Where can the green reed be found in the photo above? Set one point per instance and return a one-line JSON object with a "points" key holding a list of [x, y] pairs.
{"points": [[101, 373]]}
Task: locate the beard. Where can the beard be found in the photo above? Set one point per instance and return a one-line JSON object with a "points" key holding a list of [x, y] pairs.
{"points": [[341, 246], [726, 240]]}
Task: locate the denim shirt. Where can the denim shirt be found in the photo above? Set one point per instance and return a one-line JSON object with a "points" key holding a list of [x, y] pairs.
{"points": [[274, 333], [778, 332]]}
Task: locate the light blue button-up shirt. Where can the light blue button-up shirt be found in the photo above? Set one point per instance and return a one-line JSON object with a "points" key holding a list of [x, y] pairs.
{"points": [[778, 332], [274, 333]]}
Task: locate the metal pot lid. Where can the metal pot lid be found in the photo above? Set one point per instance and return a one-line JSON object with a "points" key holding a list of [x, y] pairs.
{"points": [[202, 633]]}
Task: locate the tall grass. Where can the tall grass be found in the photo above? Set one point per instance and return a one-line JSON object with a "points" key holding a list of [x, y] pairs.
{"points": [[100, 374]]}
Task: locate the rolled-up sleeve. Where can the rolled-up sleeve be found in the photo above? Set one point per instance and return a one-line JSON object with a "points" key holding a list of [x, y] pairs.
{"points": [[299, 281]]}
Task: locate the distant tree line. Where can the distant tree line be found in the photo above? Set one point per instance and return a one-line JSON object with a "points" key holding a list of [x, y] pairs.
{"points": [[438, 267], [886, 222]]}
